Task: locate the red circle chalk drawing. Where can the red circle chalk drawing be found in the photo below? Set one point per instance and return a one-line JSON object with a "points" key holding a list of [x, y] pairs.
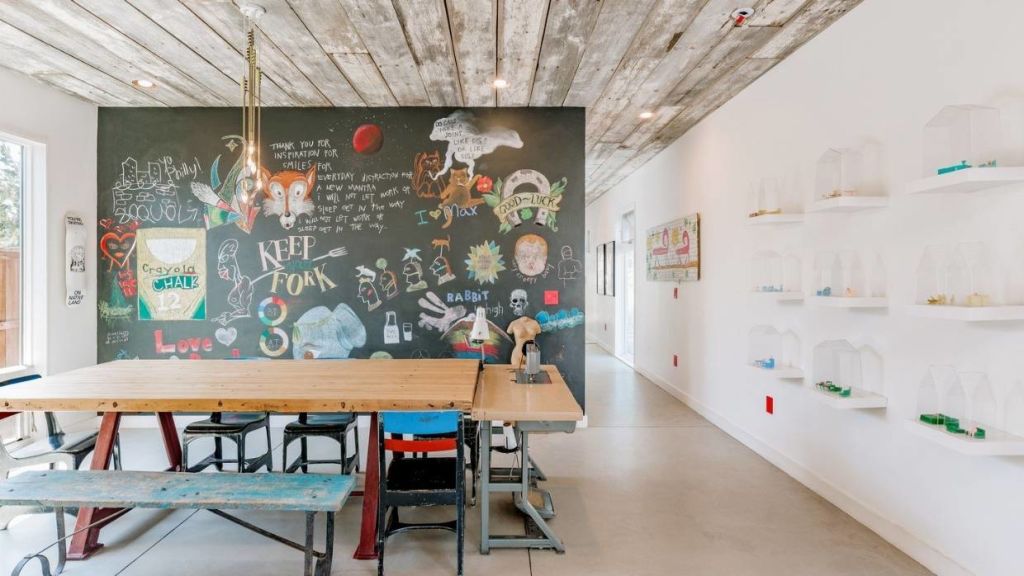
{"points": [[367, 139]]}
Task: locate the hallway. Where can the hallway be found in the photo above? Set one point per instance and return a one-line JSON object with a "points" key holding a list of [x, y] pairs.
{"points": [[649, 488]]}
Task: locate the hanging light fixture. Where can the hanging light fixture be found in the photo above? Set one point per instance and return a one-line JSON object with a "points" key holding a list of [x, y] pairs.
{"points": [[251, 77]]}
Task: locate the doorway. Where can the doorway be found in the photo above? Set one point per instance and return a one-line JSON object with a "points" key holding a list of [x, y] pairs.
{"points": [[627, 304]]}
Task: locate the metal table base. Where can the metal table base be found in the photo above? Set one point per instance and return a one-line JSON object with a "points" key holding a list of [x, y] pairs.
{"points": [[547, 539]]}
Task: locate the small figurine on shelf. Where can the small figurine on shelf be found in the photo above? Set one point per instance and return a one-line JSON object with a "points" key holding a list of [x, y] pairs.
{"points": [[767, 364], [826, 291], [939, 300], [830, 388], [934, 419], [850, 293]]}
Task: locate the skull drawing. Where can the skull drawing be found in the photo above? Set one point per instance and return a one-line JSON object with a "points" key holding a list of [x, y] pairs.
{"points": [[519, 302]]}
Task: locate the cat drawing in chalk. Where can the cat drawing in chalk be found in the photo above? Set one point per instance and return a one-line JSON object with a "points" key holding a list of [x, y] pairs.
{"points": [[458, 194], [288, 193]]}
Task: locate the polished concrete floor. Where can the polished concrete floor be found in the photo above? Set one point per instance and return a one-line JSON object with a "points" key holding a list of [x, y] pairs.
{"points": [[648, 488]]}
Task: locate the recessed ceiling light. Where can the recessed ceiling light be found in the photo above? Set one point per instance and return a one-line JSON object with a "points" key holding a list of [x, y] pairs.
{"points": [[646, 115], [143, 83], [500, 83]]}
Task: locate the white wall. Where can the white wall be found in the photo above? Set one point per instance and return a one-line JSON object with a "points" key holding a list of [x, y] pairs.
{"points": [[67, 127], [878, 74]]}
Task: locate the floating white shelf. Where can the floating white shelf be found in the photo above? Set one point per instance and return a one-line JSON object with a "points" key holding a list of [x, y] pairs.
{"points": [[995, 443], [966, 181], [968, 313], [783, 373], [791, 218], [858, 399], [847, 302], [791, 296], [849, 203]]}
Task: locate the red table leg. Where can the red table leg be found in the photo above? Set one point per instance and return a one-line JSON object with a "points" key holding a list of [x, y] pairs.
{"points": [[84, 544], [367, 549], [172, 444]]}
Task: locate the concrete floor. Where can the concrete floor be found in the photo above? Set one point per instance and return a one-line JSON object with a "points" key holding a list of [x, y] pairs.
{"points": [[649, 488]]}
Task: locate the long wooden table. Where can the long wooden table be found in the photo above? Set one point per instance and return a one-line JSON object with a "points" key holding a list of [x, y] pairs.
{"points": [[285, 386], [534, 408]]}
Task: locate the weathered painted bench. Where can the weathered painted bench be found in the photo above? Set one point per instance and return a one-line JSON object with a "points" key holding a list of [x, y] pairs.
{"points": [[309, 493]]}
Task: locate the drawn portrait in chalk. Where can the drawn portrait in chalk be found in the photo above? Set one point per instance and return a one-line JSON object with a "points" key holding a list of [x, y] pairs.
{"points": [[338, 242]]}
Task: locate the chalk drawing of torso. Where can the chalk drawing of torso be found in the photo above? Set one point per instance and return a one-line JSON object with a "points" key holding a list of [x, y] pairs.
{"points": [[466, 142], [240, 296], [288, 193]]}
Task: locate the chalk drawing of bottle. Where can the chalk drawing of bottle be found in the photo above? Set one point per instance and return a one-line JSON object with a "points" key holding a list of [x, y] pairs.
{"points": [[407, 331], [391, 334]]}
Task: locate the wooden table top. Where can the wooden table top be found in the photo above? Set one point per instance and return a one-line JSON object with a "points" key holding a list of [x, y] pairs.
{"points": [[499, 397], [287, 386]]}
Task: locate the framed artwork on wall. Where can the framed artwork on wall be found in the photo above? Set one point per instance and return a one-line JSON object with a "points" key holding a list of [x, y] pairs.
{"points": [[609, 268], [600, 269], [673, 250]]}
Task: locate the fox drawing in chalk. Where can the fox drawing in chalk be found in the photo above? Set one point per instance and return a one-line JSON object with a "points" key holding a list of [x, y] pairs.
{"points": [[288, 193], [466, 142]]}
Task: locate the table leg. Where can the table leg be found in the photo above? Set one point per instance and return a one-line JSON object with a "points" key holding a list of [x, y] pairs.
{"points": [[485, 486], [367, 549], [172, 443], [84, 543]]}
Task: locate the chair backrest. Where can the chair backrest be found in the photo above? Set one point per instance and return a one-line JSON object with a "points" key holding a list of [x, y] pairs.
{"points": [[420, 424]]}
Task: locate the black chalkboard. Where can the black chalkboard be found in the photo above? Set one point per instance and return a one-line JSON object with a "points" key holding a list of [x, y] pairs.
{"points": [[362, 242]]}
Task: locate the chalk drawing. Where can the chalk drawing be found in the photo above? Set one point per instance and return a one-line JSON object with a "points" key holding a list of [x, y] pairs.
{"points": [[240, 296], [440, 267], [426, 166], [322, 333], [446, 316], [495, 348], [288, 194], [172, 273], [272, 311], [531, 255], [367, 291], [560, 320], [485, 262], [519, 301], [413, 270], [467, 142], [391, 331], [569, 268], [458, 194], [388, 282], [226, 336], [526, 194]]}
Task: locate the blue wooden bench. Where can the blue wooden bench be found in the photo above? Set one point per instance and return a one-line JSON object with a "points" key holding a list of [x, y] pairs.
{"points": [[309, 493]]}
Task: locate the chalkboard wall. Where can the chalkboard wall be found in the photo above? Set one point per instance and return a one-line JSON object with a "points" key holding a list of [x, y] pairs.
{"points": [[378, 232]]}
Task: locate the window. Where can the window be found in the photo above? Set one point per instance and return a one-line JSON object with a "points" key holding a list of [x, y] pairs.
{"points": [[22, 218], [13, 162]]}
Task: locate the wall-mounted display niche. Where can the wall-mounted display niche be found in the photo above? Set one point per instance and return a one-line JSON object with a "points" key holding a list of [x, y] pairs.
{"points": [[962, 282], [848, 377], [844, 182], [775, 352], [960, 411], [848, 279], [766, 203], [776, 276], [964, 152]]}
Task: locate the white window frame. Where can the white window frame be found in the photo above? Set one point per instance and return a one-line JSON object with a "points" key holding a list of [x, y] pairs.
{"points": [[33, 269]]}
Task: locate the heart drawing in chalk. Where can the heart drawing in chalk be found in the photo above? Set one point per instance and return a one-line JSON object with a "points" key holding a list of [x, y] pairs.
{"points": [[118, 248], [226, 335], [435, 214]]}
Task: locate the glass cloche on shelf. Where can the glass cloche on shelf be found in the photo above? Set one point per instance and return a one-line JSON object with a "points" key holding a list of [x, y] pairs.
{"points": [[933, 282], [837, 367], [828, 274], [764, 347], [961, 137], [766, 197], [767, 272], [838, 173], [853, 281], [972, 276], [790, 357]]}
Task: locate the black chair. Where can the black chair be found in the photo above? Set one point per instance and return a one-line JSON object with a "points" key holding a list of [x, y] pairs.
{"points": [[74, 446], [335, 426], [413, 482], [233, 426]]}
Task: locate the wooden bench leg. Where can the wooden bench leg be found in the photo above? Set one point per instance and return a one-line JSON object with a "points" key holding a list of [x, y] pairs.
{"points": [[86, 541], [367, 549]]}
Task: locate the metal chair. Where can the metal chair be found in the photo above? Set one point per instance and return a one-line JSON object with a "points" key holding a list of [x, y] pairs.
{"points": [[411, 482], [67, 450], [233, 426], [336, 426]]}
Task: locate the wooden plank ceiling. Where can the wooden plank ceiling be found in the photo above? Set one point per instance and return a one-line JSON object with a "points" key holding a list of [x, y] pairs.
{"points": [[678, 59]]}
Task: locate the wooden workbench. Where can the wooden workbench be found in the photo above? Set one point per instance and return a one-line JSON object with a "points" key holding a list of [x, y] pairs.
{"points": [[286, 386], [499, 397]]}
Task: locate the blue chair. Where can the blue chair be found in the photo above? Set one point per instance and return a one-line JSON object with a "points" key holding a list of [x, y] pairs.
{"points": [[413, 482], [234, 426]]}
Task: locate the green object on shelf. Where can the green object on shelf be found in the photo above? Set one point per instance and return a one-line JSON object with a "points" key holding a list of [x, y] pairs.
{"points": [[938, 419], [954, 168], [845, 392], [953, 426], [979, 433]]}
